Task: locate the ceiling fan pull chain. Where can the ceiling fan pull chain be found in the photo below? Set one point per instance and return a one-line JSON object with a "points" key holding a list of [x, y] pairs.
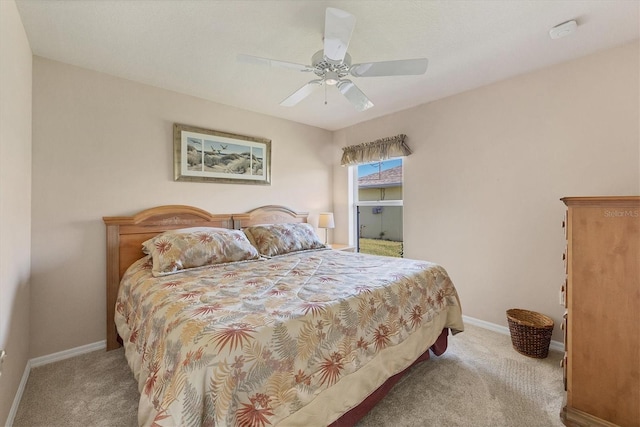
{"points": [[325, 94]]}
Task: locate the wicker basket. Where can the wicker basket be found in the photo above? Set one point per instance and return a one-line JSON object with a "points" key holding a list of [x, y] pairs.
{"points": [[530, 332]]}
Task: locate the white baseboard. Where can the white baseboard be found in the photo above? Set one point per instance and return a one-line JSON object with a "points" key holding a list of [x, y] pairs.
{"points": [[66, 354], [44, 360], [554, 345], [19, 392]]}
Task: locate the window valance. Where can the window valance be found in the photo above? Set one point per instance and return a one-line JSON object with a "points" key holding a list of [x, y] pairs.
{"points": [[380, 149]]}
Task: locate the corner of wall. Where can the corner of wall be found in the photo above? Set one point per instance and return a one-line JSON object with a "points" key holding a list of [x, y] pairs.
{"points": [[16, 68]]}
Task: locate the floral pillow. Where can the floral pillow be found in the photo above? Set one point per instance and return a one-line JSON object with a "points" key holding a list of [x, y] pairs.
{"points": [[178, 250], [279, 239]]}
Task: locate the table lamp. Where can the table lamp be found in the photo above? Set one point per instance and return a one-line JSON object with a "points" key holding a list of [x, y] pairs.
{"points": [[325, 220]]}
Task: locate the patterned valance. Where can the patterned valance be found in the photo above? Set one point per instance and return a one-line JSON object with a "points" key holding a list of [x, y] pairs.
{"points": [[381, 149]]}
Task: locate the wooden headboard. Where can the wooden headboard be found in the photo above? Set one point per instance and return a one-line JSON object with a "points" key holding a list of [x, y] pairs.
{"points": [[271, 214], [125, 235]]}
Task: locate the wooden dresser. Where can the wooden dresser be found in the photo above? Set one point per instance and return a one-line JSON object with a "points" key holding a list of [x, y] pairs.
{"points": [[602, 320]]}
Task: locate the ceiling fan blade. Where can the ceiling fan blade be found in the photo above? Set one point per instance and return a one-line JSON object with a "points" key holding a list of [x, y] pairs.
{"points": [[354, 95], [272, 63], [338, 26], [301, 93], [403, 67]]}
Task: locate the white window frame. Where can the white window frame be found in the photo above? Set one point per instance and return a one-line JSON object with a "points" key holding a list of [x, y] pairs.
{"points": [[354, 203]]}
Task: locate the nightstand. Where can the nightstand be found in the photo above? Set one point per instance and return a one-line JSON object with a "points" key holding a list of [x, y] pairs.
{"points": [[342, 247]]}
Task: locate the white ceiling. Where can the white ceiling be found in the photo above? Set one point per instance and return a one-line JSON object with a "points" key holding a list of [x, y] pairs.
{"points": [[191, 46]]}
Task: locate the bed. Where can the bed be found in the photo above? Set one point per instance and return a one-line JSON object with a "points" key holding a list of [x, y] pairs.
{"points": [[306, 336]]}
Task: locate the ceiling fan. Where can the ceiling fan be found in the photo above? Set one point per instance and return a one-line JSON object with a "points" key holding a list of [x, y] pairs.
{"points": [[332, 64]]}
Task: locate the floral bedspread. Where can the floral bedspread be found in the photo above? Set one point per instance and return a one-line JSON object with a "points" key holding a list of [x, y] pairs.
{"points": [[248, 344]]}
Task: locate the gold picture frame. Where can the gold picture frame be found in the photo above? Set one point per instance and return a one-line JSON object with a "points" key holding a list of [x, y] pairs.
{"points": [[205, 155]]}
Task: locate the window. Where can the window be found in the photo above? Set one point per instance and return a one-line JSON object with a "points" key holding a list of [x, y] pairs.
{"points": [[378, 207]]}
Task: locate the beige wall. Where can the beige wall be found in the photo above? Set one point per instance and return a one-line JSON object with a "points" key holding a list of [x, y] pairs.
{"points": [[102, 146], [387, 224], [372, 194], [15, 200], [389, 221], [482, 187]]}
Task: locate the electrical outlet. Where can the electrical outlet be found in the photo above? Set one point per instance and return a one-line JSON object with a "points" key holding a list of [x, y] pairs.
{"points": [[3, 354]]}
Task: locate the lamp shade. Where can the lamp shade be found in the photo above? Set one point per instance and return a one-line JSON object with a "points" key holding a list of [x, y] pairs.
{"points": [[325, 220]]}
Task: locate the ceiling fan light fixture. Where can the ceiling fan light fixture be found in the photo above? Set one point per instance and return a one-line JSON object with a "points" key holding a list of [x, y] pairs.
{"points": [[331, 78]]}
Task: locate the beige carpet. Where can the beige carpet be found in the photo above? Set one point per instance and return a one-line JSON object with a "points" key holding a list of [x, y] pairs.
{"points": [[479, 382]]}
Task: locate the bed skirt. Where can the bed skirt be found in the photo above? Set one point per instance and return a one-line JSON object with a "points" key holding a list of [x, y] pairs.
{"points": [[354, 415]]}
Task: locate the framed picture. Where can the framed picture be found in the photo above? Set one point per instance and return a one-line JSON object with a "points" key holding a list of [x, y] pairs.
{"points": [[212, 156]]}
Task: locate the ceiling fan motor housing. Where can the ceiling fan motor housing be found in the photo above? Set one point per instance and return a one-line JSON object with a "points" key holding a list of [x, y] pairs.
{"points": [[329, 71]]}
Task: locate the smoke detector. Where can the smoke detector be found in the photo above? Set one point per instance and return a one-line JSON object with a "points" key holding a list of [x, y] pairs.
{"points": [[563, 29]]}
